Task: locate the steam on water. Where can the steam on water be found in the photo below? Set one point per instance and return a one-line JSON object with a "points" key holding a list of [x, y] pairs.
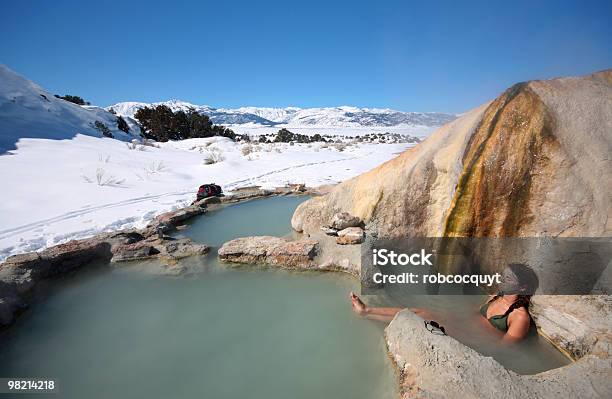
{"points": [[223, 332]]}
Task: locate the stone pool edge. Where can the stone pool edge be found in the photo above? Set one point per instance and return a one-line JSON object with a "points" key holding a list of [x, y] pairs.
{"points": [[20, 274]]}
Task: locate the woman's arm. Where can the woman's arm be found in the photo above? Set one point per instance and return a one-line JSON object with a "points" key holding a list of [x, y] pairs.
{"points": [[381, 314]]}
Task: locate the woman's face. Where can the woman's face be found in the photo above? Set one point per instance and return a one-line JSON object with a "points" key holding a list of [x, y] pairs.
{"points": [[510, 283]]}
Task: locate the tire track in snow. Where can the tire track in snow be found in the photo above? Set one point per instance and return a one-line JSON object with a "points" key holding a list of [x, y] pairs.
{"points": [[81, 212], [273, 172]]}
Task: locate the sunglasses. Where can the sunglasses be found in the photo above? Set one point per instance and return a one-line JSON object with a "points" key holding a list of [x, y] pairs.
{"points": [[434, 328]]}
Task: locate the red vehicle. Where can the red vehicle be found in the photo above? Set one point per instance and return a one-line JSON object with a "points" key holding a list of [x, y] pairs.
{"points": [[209, 190]]}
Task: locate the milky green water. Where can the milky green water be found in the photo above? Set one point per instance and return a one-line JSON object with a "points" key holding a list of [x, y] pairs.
{"points": [[217, 333], [228, 332]]}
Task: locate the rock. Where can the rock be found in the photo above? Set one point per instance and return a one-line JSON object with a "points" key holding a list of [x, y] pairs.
{"points": [[177, 217], [245, 193], [72, 255], [168, 248], [15, 279], [298, 188], [269, 250], [329, 231], [137, 251], [208, 200], [28, 260], [126, 237], [519, 166], [180, 248], [351, 235], [343, 220], [438, 366], [283, 190], [19, 274], [10, 305], [577, 325]]}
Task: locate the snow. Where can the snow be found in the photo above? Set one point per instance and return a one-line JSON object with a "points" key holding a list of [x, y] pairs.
{"points": [[63, 180], [52, 193], [26, 110]]}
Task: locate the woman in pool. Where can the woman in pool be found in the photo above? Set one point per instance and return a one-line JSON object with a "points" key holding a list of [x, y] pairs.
{"points": [[507, 311]]}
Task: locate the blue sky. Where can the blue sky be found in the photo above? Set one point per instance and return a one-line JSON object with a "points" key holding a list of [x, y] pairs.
{"points": [[412, 56]]}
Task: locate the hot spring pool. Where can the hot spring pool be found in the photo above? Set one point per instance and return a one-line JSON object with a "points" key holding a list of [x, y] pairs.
{"points": [[223, 332], [218, 333]]}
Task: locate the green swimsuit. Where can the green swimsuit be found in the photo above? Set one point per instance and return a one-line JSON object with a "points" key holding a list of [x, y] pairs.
{"points": [[498, 321]]}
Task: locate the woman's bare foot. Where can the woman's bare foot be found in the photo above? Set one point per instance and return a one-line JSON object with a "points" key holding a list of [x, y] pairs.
{"points": [[358, 306]]}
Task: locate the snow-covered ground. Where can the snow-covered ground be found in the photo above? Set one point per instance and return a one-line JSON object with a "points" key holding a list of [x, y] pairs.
{"points": [[56, 190], [62, 179]]}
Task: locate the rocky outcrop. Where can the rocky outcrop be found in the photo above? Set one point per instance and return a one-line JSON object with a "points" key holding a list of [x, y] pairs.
{"points": [[19, 274], [533, 161], [54, 260], [438, 366], [350, 235], [344, 220], [270, 251]]}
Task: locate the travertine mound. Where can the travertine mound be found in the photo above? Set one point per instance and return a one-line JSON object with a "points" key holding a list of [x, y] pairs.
{"points": [[438, 366], [535, 161]]}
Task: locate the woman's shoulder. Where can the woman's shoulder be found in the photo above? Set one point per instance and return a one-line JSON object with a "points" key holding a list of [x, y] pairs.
{"points": [[520, 314]]}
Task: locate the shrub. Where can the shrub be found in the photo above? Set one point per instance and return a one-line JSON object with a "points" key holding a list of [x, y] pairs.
{"points": [[163, 124], [155, 167], [102, 179], [213, 156], [73, 99], [285, 136], [122, 124], [102, 128], [340, 146], [246, 149]]}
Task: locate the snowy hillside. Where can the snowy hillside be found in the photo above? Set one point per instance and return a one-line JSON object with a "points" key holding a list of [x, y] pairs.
{"points": [[302, 117], [28, 111]]}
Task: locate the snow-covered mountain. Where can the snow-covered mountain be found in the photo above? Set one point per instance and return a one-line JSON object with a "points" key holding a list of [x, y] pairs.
{"points": [[344, 116], [28, 111]]}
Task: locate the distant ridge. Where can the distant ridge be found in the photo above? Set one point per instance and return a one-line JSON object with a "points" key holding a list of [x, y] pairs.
{"points": [[344, 116]]}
